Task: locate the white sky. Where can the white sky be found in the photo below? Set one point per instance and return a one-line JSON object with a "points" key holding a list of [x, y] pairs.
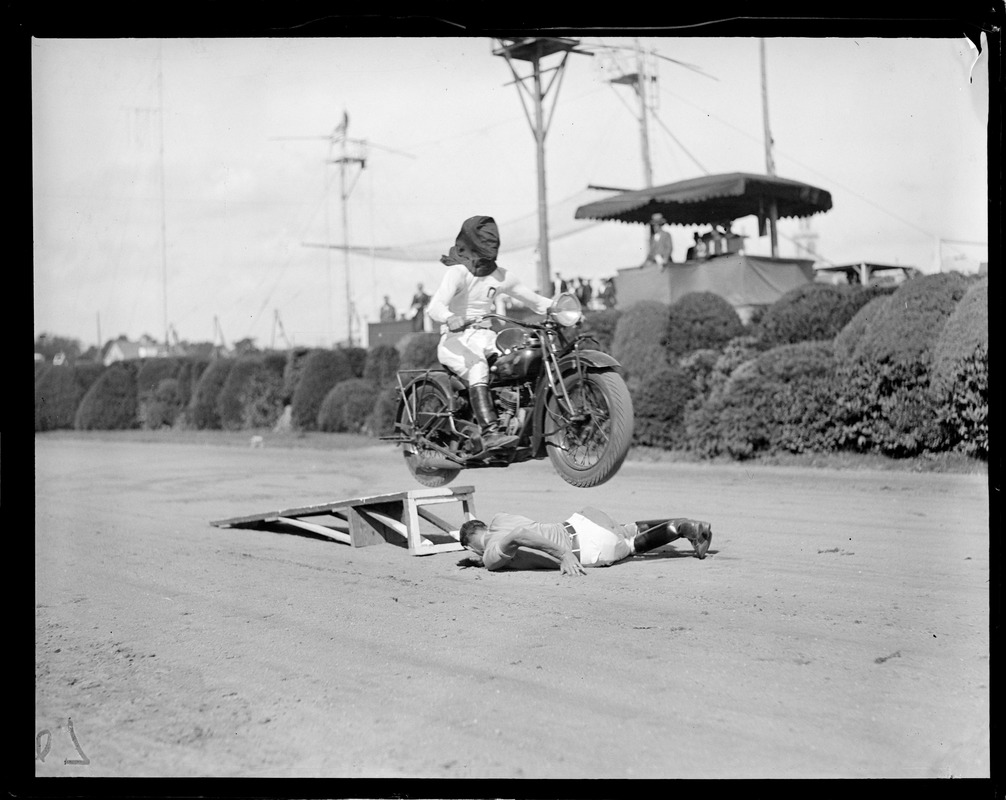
{"points": [[891, 127]]}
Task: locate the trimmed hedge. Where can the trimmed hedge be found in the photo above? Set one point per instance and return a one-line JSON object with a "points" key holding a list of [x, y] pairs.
{"points": [[203, 409], [381, 421], [966, 329], [659, 404], [231, 399], [963, 409], [165, 405], [847, 340], [813, 312], [699, 321], [110, 403], [56, 397], [382, 365], [780, 401], [913, 320], [419, 350], [357, 359], [637, 344], [322, 370], [600, 325], [347, 406], [293, 369], [86, 373]]}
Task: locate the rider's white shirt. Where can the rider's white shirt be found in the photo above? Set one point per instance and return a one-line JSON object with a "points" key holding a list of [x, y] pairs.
{"points": [[462, 294]]}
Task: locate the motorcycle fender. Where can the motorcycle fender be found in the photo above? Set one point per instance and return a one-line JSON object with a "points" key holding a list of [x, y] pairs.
{"points": [[594, 361], [442, 378]]}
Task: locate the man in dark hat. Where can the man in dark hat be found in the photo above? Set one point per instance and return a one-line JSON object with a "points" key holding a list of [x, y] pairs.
{"points": [[469, 290], [660, 242]]}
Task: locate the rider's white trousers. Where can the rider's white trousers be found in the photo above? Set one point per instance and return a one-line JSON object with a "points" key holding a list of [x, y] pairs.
{"points": [[465, 353]]}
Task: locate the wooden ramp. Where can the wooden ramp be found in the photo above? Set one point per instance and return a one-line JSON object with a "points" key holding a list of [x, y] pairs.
{"points": [[402, 518]]}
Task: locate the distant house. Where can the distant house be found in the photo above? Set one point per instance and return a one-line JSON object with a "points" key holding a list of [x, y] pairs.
{"points": [[122, 350]]}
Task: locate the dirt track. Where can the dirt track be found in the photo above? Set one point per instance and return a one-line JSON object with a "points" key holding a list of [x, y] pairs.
{"points": [[839, 627]]}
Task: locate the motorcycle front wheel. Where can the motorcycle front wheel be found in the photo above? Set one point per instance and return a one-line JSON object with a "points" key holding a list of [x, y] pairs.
{"points": [[588, 447], [424, 406]]}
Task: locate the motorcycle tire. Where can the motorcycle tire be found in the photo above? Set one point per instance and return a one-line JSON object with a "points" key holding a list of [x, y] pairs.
{"points": [[426, 398], [591, 452]]}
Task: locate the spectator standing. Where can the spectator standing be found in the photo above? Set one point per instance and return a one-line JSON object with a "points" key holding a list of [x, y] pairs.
{"points": [[388, 313]]}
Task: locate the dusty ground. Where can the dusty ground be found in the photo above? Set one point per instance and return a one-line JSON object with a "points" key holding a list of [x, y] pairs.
{"points": [[839, 627]]}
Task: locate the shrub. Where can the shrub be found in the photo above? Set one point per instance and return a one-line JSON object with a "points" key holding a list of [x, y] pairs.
{"points": [[885, 407], [913, 320], [203, 409], [419, 351], [381, 421], [966, 329], [658, 404], [110, 403], [600, 325], [736, 352], [382, 365], [149, 376], [700, 320], [189, 373], [292, 371], [165, 405], [347, 406], [56, 396], [963, 404], [637, 344], [848, 339], [86, 373], [357, 359], [699, 367], [262, 400], [812, 312], [322, 370], [232, 395], [781, 401]]}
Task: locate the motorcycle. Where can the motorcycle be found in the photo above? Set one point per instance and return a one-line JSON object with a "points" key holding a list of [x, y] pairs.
{"points": [[561, 398]]}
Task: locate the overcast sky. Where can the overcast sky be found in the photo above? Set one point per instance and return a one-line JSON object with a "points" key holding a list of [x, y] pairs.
{"points": [[895, 129]]}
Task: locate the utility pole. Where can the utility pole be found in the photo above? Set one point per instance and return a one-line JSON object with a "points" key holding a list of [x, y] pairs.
{"points": [[769, 160], [533, 50], [345, 160], [641, 81], [164, 237]]}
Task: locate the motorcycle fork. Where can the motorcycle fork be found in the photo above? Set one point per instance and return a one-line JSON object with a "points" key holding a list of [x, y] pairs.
{"points": [[555, 380]]}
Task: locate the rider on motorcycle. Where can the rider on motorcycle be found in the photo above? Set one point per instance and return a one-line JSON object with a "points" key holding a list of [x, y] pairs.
{"points": [[469, 290]]}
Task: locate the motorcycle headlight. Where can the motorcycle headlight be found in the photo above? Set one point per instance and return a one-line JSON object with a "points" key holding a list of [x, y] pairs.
{"points": [[566, 309]]}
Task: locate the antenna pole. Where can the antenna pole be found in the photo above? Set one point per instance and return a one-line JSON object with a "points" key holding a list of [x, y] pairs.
{"points": [[164, 239], [642, 85], [769, 161]]}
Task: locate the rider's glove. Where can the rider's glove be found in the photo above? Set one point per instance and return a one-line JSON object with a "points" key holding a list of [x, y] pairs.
{"points": [[456, 323]]}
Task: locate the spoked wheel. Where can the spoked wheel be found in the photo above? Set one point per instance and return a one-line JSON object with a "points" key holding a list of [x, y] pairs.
{"points": [[425, 408], [588, 448]]}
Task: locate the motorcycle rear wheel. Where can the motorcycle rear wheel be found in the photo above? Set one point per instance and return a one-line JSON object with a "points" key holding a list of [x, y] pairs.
{"points": [[429, 401], [589, 452]]}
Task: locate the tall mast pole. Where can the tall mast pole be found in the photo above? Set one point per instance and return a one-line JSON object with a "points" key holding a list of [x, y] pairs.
{"points": [[769, 160], [544, 267], [641, 88], [164, 238]]}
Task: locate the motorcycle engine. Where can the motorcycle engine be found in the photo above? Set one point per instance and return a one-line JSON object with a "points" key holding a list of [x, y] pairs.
{"points": [[511, 414]]}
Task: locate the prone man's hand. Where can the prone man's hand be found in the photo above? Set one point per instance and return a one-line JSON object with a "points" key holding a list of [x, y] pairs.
{"points": [[569, 565]]}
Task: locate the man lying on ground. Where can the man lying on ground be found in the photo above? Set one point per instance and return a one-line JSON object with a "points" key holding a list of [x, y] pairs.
{"points": [[589, 538]]}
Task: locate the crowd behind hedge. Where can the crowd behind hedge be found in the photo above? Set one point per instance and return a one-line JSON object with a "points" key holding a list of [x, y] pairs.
{"points": [[901, 371]]}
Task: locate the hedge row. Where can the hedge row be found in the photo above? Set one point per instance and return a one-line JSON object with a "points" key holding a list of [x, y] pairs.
{"points": [[906, 374], [899, 370]]}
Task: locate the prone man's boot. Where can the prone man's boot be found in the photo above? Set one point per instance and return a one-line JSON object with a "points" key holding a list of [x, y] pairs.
{"points": [[482, 405], [654, 533]]}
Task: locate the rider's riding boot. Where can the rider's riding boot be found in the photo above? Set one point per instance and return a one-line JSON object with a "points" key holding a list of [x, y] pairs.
{"points": [[482, 405], [653, 533]]}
